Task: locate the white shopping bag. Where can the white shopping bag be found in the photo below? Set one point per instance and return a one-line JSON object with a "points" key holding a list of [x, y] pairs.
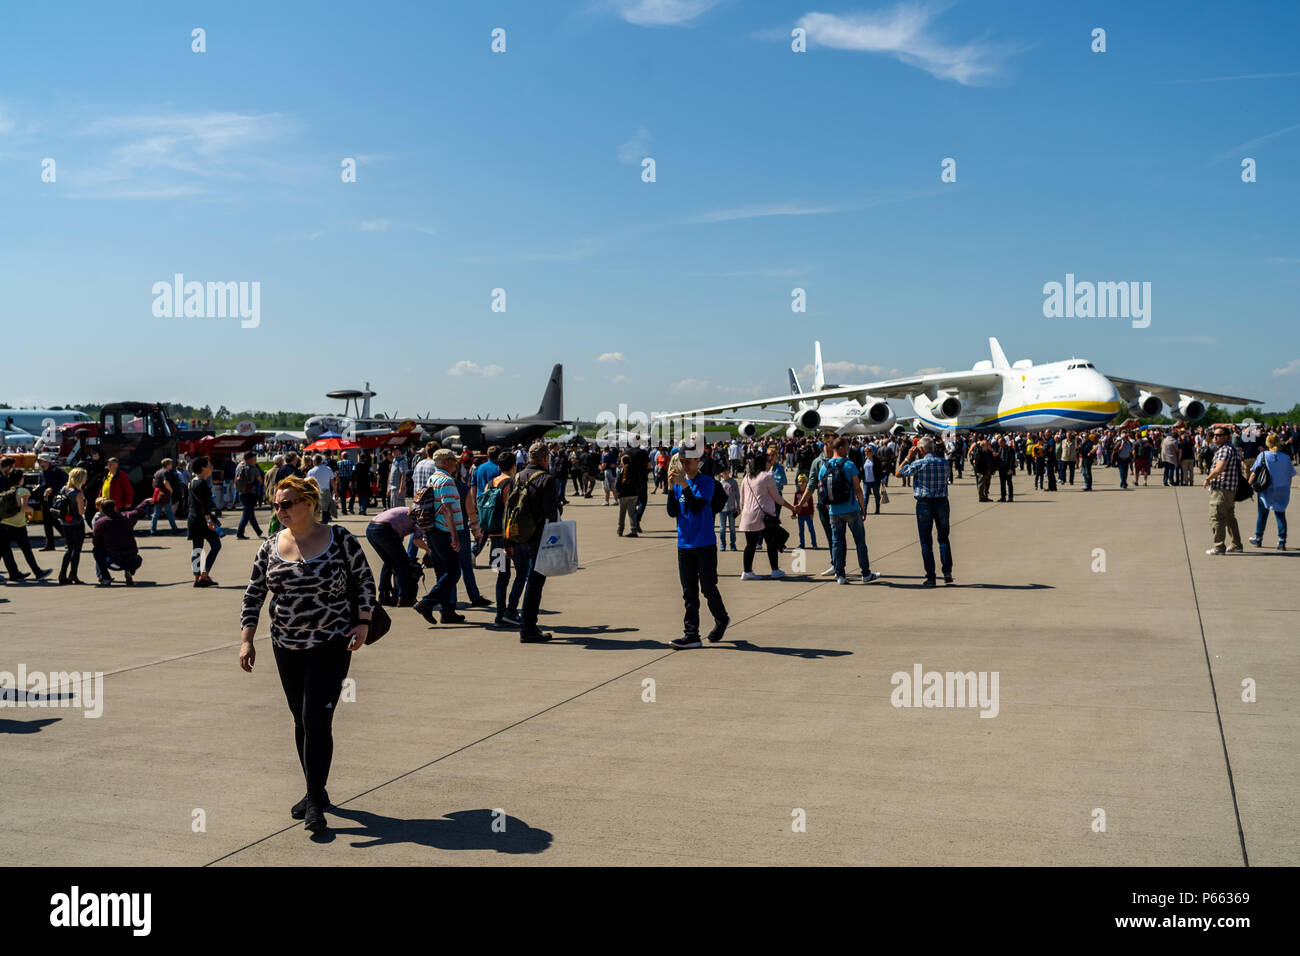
{"points": [[558, 553]]}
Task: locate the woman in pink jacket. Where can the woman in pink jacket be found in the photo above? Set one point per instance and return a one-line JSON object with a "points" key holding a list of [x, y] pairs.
{"points": [[759, 500]]}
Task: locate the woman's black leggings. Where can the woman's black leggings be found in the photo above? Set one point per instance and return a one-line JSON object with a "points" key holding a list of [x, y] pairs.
{"points": [[752, 540], [198, 535], [74, 535], [312, 680]]}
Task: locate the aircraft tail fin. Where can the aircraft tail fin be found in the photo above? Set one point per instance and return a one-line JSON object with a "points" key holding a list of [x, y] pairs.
{"points": [[794, 383], [999, 356], [552, 407], [819, 378]]}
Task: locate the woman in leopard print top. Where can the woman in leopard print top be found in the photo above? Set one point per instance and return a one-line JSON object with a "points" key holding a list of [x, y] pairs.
{"points": [[305, 567]]}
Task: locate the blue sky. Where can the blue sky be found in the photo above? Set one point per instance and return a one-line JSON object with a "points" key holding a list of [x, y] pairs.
{"points": [[521, 170]]}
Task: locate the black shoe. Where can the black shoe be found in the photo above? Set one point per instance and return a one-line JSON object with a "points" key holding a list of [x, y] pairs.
{"points": [[426, 611], [631, 534], [534, 637], [509, 619], [45, 572], [200, 583], [620, 534], [480, 601], [130, 579], [947, 579], [299, 809], [103, 582], [687, 641], [49, 547], [929, 583], [314, 816], [719, 628], [451, 617], [244, 537]]}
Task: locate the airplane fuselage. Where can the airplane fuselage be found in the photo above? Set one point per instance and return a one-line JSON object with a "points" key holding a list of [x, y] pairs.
{"points": [[1072, 395]]}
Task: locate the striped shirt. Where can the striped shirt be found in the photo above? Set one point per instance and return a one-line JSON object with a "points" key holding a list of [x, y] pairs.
{"points": [[929, 476], [1228, 480], [444, 488], [424, 469]]}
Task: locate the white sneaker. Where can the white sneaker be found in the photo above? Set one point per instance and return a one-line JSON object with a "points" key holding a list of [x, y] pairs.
{"points": [[748, 576], [1214, 552], [777, 573], [841, 580], [828, 572], [868, 578]]}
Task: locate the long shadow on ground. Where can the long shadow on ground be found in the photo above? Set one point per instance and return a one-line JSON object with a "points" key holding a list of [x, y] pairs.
{"points": [[459, 830]]}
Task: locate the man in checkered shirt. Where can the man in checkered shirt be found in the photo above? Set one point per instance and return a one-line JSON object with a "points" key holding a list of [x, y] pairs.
{"points": [[1224, 477], [929, 475]]}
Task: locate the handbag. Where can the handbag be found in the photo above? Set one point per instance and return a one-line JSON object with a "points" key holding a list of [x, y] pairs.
{"points": [[1260, 479], [884, 495], [380, 622]]}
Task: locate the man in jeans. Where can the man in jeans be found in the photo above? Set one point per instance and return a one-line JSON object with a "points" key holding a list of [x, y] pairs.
{"points": [[443, 538], [248, 485], [930, 487], [545, 496], [1223, 479], [841, 488]]}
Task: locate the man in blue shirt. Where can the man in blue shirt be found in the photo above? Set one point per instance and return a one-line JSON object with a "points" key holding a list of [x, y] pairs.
{"points": [[930, 487], [694, 499], [840, 484]]}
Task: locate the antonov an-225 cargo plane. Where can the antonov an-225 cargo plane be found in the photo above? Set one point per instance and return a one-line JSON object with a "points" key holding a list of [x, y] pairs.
{"points": [[997, 395]]}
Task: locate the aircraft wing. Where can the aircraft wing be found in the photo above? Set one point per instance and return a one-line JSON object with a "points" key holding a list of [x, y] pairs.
{"points": [[1169, 394], [892, 388]]}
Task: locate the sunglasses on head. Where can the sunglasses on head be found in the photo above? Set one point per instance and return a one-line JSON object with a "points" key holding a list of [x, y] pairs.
{"points": [[287, 503]]}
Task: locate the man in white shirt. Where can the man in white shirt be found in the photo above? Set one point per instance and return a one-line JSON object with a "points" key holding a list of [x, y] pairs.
{"points": [[327, 482]]}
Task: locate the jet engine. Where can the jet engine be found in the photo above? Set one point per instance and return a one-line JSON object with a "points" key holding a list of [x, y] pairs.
{"points": [[878, 415], [1189, 410], [748, 429], [1148, 406], [808, 420], [946, 405], [793, 431]]}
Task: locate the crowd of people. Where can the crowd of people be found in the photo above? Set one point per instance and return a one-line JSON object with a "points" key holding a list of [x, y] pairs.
{"points": [[439, 510]]}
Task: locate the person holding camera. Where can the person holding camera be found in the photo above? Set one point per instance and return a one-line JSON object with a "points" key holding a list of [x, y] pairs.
{"points": [[693, 500]]}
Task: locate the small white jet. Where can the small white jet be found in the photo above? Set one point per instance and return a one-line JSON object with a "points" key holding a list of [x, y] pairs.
{"points": [[997, 395]]}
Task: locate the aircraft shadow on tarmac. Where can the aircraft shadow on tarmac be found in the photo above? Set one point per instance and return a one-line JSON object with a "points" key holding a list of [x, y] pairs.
{"points": [[460, 830], [26, 726]]}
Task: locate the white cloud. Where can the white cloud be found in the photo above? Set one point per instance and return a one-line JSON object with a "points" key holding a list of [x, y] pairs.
{"points": [[166, 155], [636, 148], [770, 209], [376, 225], [610, 357], [933, 370], [620, 380], [904, 32], [1290, 368], [466, 367], [687, 385], [661, 13], [833, 369]]}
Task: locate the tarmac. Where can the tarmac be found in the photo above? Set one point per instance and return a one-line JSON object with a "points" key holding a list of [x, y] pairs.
{"points": [[1121, 735]]}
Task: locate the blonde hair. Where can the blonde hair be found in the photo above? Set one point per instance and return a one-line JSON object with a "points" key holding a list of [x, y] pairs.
{"points": [[1273, 442], [306, 487], [76, 477]]}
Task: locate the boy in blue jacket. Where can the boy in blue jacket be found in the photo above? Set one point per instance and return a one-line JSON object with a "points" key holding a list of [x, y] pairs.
{"points": [[694, 499]]}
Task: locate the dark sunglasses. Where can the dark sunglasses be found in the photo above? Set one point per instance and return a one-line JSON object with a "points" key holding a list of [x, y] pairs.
{"points": [[287, 503]]}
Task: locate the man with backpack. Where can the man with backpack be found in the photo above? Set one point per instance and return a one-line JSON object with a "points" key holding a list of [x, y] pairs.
{"points": [[693, 499], [52, 480], [248, 485], [840, 484], [534, 500], [438, 512]]}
